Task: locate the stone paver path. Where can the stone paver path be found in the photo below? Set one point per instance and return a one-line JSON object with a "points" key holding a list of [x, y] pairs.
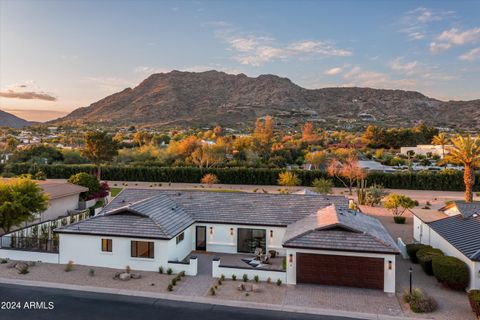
{"points": [[199, 285]]}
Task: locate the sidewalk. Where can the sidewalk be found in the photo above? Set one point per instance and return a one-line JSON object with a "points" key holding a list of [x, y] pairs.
{"points": [[204, 300]]}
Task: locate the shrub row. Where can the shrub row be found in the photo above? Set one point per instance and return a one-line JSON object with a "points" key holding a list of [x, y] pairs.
{"points": [[445, 180]]}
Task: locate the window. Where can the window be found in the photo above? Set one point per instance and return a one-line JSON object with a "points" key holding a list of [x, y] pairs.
{"points": [[107, 245], [250, 239], [180, 237], [142, 249]]}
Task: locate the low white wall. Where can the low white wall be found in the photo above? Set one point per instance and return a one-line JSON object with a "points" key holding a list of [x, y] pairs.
{"points": [[263, 275], [59, 207], [421, 231], [389, 274], [29, 256], [190, 268]]}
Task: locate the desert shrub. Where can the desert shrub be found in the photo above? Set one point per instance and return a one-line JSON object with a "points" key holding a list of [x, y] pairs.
{"points": [[245, 278], [424, 257], [181, 273], [91, 272], [69, 266], [128, 269], [23, 270], [212, 291], [419, 302], [279, 282], [474, 299], [174, 282], [222, 277], [170, 287], [412, 249], [169, 271], [160, 270], [269, 280], [209, 178], [234, 277], [3, 261], [451, 271], [322, 185], [256, 279]]}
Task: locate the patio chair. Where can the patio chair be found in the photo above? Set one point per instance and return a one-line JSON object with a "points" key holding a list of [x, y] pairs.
{"points": [[264, 258], [258, 253]]}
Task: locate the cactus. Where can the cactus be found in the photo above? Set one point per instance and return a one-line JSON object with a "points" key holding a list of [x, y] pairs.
{"points": [[362, 191]]}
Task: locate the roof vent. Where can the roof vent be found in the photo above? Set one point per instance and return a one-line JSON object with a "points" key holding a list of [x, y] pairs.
{"points": [[123, 200]]}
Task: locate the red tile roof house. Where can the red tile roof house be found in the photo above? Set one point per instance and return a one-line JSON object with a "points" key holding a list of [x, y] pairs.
{"points": [[454, 229], [323, 242]]}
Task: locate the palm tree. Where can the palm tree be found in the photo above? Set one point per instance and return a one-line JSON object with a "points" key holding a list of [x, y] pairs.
{"points": [[466, 151], [441, 140]]}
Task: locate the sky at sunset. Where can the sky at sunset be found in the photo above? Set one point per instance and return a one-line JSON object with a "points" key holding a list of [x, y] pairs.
{"points": [[56, 56]]}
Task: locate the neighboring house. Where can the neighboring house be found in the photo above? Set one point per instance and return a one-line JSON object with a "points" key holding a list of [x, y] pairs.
{"points": [[424, 149], [63, 197], [323, 241], [454, 229]]}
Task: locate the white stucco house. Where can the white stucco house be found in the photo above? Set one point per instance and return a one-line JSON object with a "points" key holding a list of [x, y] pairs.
{"points": [[454, 229], [323, 242], [63, 197]]}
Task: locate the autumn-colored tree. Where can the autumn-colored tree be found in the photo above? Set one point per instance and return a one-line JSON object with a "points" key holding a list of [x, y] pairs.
{"points": [[308, 134], [264, 130], [208, 156], [288, 179], [209, 179], [398, 204], [466, 151], [347, 171], [141, 138], [316, 158]]}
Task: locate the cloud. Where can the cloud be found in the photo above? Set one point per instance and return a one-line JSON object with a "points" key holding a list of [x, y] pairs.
{"points": [[416, 22], [417, 70], [111, 83], [366, 78], [27, 91], [256, 50], [407, 68], [471, 55], [454, 37], [333, 71]]}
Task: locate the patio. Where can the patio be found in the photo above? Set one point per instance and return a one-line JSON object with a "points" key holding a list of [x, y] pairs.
{"points": [[235, 260]]}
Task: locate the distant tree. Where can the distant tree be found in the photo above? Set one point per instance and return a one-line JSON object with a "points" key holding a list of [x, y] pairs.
{"points": [[466, 151], [441, 139], [20, 200], [209, 179], [316, 158], [347, 171], [308, 133], [88, 181], [208, 156], [288, 179], [141, 138], [264, 130], [398, 203], [39, 153], [374, 195], [322, 186], [99, 147]]}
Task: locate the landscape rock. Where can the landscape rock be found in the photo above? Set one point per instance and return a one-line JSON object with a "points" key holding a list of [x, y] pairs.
{"points": [[124, 276], [135, 275]]}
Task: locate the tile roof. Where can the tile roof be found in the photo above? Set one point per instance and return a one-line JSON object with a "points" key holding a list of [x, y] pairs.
{"points": [[468, 209], [428, 215], [57, 190], [155, 207], [338, 228], [462, 233]]}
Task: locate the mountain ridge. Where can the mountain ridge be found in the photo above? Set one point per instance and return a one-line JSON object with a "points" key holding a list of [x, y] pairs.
{"points": [[10, 120], [205, 99]]}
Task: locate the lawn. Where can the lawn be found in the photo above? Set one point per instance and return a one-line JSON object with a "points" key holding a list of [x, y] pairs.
{"points": [[115, 191]]}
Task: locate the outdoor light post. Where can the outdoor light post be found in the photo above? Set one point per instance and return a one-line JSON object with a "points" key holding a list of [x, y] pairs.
{"points": [[410, 271]]}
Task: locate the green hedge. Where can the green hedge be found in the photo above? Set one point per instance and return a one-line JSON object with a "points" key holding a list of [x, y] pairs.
{"points": [[451, 271], [413, 248], [424, 257], [448, 180]]}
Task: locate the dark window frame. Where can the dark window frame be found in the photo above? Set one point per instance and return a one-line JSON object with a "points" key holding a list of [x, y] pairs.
{"points": [[262, 242], [106, 245], [134, 244], [180, 237]]}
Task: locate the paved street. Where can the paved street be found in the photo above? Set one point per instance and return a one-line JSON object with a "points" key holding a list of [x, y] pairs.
{"points": [[83, 305]]}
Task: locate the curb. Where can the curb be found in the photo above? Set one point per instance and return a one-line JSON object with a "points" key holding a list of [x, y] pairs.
{"points": [[204, 300]]}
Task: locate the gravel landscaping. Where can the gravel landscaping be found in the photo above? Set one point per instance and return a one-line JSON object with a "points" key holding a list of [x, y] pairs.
{"points": [[265, 292]]}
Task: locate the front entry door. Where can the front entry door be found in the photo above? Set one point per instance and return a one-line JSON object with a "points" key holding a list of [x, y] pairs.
{"points": [[201, 238]]}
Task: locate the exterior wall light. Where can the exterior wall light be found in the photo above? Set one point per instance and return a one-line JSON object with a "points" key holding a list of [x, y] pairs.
{"points": [[211, 230], [231, 231], [271, 233], [389, 264], [290, 258]]}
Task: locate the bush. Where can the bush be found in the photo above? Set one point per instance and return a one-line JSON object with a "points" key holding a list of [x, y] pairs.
{"points": [[245, 278], [412, 249], [424, 257], [69, 266], [174, 282], [256, 279], [169, 271], [209, 179], [91, 272], [234, 277], [212, 291], [419, 302], [181, 273], [451, 272], [322, 185], [474, 299], [88, 181], [3, 261], [23, 270], [170, 287], [279, 282], [128, 269], [222, 277], [160, 270]]}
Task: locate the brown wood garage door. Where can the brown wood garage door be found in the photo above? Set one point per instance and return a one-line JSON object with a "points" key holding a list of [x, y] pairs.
{"points": [[340, 270]]}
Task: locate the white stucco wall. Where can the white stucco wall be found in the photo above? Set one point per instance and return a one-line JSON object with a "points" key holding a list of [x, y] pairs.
{"points": [[86, 250], [389, 275], [178, 252], [220, 240], [263, 275], [59, 207], [421, 231], [21, 255]]}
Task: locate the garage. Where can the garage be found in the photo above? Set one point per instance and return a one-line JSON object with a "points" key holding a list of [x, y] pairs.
{"points": [[337, 270]]}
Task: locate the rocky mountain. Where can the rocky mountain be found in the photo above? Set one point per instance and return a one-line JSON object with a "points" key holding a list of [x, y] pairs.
{"points": [[180, 99], [9, 120]]}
